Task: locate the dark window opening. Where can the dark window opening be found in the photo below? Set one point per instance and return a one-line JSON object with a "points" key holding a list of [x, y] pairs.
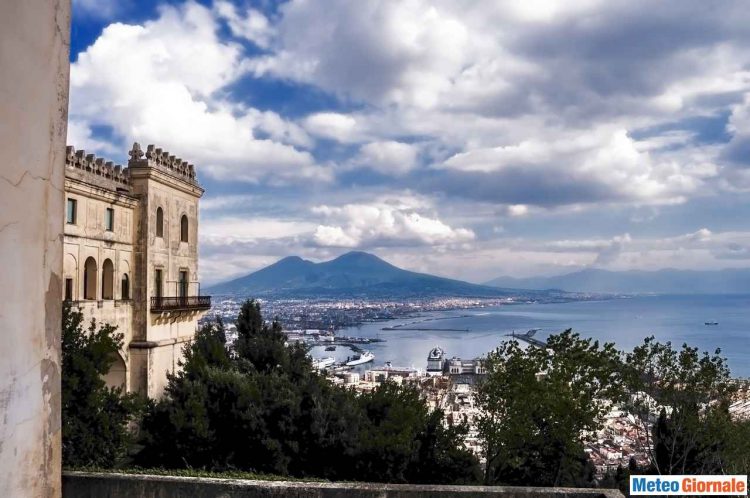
{"points": [[159, 222], [125, 287], [89, 279], [184, 229], [157, 282], [68, 289], [109, 219], [70, 215], [183, 289], [108, 280]]}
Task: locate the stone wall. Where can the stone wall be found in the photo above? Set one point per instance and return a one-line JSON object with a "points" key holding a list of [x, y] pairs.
{"points": [[92, 485], [34, 47]]}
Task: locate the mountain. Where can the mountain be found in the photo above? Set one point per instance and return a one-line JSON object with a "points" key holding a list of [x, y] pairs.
{"points": [[354, 274], [668, 281]]}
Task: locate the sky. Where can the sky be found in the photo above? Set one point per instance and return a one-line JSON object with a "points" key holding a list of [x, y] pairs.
{"points": [[469, 139]]}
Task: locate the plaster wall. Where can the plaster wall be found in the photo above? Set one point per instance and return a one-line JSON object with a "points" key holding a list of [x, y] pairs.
{"points": [[34, 47]]}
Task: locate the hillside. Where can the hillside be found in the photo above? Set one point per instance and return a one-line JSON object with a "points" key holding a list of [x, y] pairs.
{"points": [[354, 274]]}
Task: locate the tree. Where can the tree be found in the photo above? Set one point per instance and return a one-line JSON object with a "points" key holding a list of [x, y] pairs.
{"points": [[94, 417], [264, 408], [691, 393], [402, 441], [538, 405]]}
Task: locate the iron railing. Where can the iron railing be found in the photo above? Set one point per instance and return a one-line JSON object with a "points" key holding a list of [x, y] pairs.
{"points": [[179, 303]]}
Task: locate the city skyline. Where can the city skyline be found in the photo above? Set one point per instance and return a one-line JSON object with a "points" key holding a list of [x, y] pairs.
{"points": [[468, 140]]}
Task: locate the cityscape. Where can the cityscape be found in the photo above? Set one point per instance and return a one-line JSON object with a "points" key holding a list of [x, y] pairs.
{"points": [[374, 248], [446, 382]]}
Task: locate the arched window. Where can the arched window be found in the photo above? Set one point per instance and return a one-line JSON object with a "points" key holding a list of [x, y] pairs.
{"points": [[184, 228], [89, 279], [108, 280], [159, 222], [125, 287]]}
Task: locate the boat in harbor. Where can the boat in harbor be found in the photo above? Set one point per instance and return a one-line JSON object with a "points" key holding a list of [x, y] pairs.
{"points": [[711, 323], [323, 363], [360, 359], [331, 348]]}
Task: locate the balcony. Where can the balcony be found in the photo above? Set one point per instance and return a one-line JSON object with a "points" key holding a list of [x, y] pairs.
{"points": [[180, 303]]}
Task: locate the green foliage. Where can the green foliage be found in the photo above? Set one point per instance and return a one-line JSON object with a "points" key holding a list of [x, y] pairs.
{"points": [[263, 408], [539, 402], [94, 417], [691, 392]]}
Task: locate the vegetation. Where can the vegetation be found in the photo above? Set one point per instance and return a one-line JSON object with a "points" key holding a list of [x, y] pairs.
{"points": [[693, 433], [257, 407], [263, 408], [94, 417], [539, 403]]}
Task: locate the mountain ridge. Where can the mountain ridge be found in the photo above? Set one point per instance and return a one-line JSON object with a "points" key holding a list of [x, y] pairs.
{"points": [[664, 281], [352, 274]]}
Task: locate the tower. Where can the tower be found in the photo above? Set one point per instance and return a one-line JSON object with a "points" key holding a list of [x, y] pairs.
{"points": [[167, 296]]}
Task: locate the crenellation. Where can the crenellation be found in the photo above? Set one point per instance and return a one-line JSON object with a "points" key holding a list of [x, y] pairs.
{"points": [[158, 158], [97, 166]]}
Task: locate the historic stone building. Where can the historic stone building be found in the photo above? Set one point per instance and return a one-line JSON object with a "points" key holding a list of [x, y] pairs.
{"points": [[131, 257]]}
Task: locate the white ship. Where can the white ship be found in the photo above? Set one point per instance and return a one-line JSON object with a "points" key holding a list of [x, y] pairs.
{"points": [[359, 359], [322, 363]]}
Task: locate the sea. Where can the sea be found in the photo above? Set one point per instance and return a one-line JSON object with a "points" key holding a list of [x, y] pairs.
{"points": [[626, 321]]}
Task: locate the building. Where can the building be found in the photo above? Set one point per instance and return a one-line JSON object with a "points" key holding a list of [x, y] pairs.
{"points": [[130, 257], [460, 371], [435, 361]]}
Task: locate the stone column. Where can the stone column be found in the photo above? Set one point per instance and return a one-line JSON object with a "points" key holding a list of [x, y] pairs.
{"points": [[34, 50]]}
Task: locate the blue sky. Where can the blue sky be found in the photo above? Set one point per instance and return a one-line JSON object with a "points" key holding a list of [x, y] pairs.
{"points": [[470, 139]]}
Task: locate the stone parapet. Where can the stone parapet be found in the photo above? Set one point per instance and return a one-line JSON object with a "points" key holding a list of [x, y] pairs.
{"points": [[157, 158], [95, 485], [98, 170]]}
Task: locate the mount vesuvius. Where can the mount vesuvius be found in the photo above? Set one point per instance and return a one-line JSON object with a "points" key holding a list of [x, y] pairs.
{"points": [[354, 274]]}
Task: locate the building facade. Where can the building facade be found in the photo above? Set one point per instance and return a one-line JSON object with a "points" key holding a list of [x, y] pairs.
{"points": [[131, 258]]}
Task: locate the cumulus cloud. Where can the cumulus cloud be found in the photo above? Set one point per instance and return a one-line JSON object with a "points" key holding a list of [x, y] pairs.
{"points": [[333, 125], [158, 83], [251, 25], [388, 157], [604, 165], [528, 80], [387, 223]]}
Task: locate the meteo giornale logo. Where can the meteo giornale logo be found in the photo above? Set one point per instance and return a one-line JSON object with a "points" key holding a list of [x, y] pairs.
{"points": [[734, 485]]}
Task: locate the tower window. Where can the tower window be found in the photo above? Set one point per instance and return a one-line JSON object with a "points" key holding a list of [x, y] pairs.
{"points": [[159, 222], [109, 219], [70, 215], [184, 228], [68, 289], [158, 282], [125, 287]]}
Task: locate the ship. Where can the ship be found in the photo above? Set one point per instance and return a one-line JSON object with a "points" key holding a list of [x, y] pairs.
{"points": [[331, 348], [711, 323], [360, 359], [323, 363]]}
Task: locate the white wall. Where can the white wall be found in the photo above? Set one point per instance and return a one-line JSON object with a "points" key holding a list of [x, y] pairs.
{"points": [[34, 45]]}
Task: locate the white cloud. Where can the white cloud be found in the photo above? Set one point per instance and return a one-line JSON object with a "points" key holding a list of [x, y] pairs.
{"points": [[253, 25], [603, 165], [334, 126], [388, 157], [158, 83], [386, 223], [230, 229], [518, 210]]}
